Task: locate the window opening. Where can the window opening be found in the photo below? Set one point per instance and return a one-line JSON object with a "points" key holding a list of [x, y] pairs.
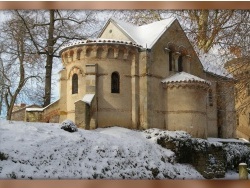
{"points": [[115, 82], [74, 84]]}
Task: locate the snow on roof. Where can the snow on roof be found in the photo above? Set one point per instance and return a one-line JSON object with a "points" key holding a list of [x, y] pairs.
{"points": [[217, 70], [88, 98], [145, 35], [214, 63], [99, 41], [34, 109], [184, 77], [51, 104]]}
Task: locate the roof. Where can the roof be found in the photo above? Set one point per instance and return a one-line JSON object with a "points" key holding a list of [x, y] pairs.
{"points": [[25, 107], [145, 35], [99, 41], [34, 109], [218, 70], [88, 98], [184, 77]]}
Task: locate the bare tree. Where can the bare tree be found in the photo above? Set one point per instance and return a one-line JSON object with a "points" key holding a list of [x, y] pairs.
{"points": [[2, 87], [14, 62], [50, 29]]}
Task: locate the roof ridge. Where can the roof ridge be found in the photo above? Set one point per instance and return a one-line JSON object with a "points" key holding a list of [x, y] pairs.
{"points": [[140, 34]]}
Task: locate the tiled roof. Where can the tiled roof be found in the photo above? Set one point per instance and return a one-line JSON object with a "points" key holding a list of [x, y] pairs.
{"points": [[184, 77], [99, 41]]}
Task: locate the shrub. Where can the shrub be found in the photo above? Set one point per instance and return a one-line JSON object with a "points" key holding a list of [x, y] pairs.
{"points": [[3, 156], [12, 175], [237, 153], [69, 126]]}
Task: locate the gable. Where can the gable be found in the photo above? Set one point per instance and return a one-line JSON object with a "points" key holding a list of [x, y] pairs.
{"points": [[112, 31], [145, 35], [174, 38]]}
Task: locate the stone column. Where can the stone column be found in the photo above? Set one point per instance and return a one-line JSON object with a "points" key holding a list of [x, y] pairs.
{"points": [[188, 63], [90, 78], [135, 91], [63, 95], [167, 50], [243, 174], [176, 56]]}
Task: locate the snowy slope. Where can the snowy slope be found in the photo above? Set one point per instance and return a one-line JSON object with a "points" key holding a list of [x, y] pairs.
{"points": [[39, 151]]}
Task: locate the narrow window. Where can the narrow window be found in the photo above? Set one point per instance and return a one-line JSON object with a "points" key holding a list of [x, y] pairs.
{"points": [[79, 54], [249, 119], [110, 53], [180, 68], [210, 97], [115, 82], [71, 55], [170, 59], [74, 84], [237, 120]]}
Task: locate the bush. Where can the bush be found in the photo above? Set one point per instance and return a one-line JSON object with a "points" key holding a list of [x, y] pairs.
{"points": [[69, 126], [3, 156], [237, 153], [12, 175]]}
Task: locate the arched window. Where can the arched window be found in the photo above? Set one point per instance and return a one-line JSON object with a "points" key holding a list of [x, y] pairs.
{"points": [[115, 82], [180, 68], [74, 83], [79, 53], [170, 60], [110, 53]]}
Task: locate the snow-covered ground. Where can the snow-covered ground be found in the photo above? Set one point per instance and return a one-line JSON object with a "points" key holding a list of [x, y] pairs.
{"points": [[39, 151]]}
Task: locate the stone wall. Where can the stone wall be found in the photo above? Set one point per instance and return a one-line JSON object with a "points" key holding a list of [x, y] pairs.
{"points": [[34, 116], [18, 115], [19, 112], [111, 108], [239, 68], [51, 113], [185, 108], [209, 159]]}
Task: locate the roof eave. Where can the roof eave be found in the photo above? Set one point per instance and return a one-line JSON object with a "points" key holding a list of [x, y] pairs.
{"points": [[223, 77]]}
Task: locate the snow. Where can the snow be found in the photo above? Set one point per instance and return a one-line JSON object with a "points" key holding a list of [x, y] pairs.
{"points": [[226, 140], [244, 164], [217, 70], [184, 77], [40, 109], [34, 109], [88, 98], [213, 63], [145, 35], [45, 151], [98, 40], [40, 150]]}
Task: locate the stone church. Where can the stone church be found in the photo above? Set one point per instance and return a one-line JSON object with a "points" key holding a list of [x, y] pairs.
{"points": [[140, 77]]}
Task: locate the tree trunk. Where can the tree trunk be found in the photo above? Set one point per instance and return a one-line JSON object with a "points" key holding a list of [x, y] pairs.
{"points": [[49, 61]]}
